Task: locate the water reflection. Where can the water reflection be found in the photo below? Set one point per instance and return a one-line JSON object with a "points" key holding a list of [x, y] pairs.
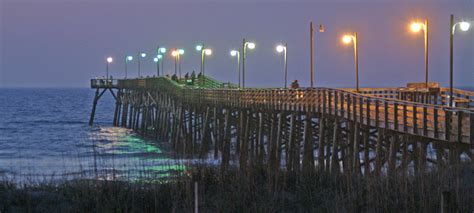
{"points": [[120, 153], [102, 153]]}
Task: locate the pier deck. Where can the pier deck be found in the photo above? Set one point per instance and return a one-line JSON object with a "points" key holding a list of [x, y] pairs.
{"points": [[339, 127]]}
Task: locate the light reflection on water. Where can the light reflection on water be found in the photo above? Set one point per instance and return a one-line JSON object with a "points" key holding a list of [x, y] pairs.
{"points": [[44, 134], [113, 153], [123, 153]]}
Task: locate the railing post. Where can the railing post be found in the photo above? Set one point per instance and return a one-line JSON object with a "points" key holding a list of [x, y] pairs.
{"points": [[329, 102], [405, 119], [459, 126], [386, 117], [395, 116], [377, 111], [447, 121], [471, 128], [368, 112], [415, 120], [435, 122], [425, 121]]}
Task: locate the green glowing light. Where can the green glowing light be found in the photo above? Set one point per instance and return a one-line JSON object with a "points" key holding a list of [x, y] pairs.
{"points": [[167, 168], [162, 50], [199, 47]]}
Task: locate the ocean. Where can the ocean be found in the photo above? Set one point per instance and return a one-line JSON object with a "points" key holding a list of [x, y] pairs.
{"points": [[44, 134]]}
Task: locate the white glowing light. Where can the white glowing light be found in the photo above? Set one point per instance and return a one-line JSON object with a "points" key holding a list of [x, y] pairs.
{"points": [[347, 39], [280, 48], [464, 26], [251, 45]]}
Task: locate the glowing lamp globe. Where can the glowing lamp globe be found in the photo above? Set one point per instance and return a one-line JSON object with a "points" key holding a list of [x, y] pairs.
{"points": [[174, 53], [143, 55], [347, 39], [233, 52], [159, 56], [416, 27], [110, 60], [181, 51], [155, 59], [208, 51], [464, 26], [162, 50], [280, 48], [129, 58], [198, 47], [251, 45]]}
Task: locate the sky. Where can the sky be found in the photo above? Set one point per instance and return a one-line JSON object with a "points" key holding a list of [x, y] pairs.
{"points": [[64, 43]]}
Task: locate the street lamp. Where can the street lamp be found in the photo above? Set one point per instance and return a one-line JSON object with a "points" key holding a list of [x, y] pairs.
{"points": [[204, 51], [417, 27], [157, 60], [140, 55], [177, 62], [162, 51], [311, 44], [127, 59], [236, 53], [200, 48], [283, 48], [463, 26], [347, 39], [109, 60], [245, 45]]}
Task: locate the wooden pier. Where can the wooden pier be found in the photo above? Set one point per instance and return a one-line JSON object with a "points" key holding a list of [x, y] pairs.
{"points": [[373, 131]]}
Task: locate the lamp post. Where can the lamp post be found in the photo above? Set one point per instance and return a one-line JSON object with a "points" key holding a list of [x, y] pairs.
{"points": [[140, 55], [204, 51], [157, 60], [464, 26], [245, 45], [236, 53], [311, 49], [162, 51], [200, 49], [283, 48], [175, 55], [347, 39], [127, 59], [109, 60], [177, 60], [417, 27]]}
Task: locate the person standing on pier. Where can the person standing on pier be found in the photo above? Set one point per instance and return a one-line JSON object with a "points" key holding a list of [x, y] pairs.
{"points": [[295, 84]]}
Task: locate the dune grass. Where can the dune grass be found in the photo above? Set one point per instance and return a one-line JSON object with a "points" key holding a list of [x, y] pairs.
{"points": [[249, 192]]}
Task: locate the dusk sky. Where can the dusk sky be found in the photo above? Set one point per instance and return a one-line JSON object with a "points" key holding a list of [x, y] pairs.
{"points": [[64, 43]]}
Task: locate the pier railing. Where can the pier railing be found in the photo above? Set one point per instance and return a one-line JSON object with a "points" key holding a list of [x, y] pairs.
{"points": [[104, 83], [379, 108], [439, 96]]}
